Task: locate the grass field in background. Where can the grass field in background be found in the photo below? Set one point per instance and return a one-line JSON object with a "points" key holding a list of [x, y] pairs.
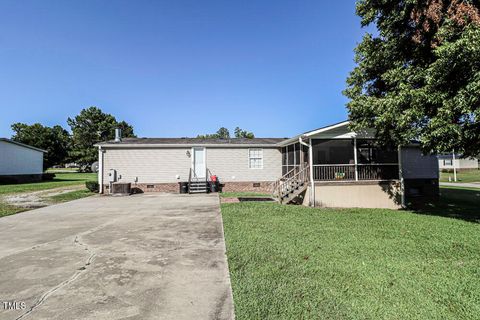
{"points": [[462, 176], [60, 180], [295, 262]]}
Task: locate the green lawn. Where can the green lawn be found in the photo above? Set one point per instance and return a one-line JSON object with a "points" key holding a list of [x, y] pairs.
{"points": [[244, 194], [61, 180], [72, 195], [462, 176], [294, 262], [6, 210]]}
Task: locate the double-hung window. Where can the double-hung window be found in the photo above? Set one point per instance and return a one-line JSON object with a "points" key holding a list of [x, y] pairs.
{"points": [[255, 158]]}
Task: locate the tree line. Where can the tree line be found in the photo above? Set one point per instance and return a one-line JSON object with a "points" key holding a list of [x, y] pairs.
{"points": [[90, 126], [224, 133]]}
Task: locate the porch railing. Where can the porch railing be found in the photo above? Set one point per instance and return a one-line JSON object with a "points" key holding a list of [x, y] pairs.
{"points": [[296, 177], [347, 172]]}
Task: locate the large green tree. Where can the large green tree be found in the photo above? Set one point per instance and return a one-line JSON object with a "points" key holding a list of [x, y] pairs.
{"points": [[55, 140], [92, 125], [221, 133], [418, 77], [240, 133]]}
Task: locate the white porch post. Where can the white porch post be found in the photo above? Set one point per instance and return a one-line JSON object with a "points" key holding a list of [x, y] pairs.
{"points": [[454, 166], [355, 157], [100, 170], [400, 175], [312, 183]]}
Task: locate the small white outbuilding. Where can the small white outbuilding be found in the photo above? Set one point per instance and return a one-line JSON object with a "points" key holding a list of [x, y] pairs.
{"points": [[20, 162]]}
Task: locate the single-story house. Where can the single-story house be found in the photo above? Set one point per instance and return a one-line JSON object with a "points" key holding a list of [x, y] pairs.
{"points": [[449, 161], [329, 166], [20, 162]]}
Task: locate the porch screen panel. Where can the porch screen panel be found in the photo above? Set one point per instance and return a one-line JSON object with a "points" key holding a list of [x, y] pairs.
{"points": [[376, 162], [297, 154], [284, 160], [370, 152], [333, 159], [291, 157], [306, 158], [336, 151]]}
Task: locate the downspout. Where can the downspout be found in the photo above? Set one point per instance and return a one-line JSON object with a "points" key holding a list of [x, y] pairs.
{"points": [[100, 169]]}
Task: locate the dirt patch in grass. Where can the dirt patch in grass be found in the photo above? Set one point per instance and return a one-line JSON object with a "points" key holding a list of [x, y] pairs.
{"points": [[18, 202], [36, 199]]}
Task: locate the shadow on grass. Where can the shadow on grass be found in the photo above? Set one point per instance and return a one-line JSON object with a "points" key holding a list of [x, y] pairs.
{"points": [[256, 199], [55, 180], [454, 203]]}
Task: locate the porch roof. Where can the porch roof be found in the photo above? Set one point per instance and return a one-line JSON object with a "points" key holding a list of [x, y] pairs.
{"points": [[338, 130]]}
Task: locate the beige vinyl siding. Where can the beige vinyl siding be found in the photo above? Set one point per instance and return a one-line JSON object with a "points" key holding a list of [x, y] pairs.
{"points": [[161, 165], [149, 165], [231, 164], [468, 163]]}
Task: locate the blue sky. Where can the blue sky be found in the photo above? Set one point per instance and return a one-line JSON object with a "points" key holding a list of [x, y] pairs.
{"points": [[178, 68]]}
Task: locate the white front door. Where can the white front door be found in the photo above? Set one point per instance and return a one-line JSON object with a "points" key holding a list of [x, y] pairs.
{"points": [[198, 162]]}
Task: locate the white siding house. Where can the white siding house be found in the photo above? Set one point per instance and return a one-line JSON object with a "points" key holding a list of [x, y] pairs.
{"points": [[446, 161], [18, 159]]}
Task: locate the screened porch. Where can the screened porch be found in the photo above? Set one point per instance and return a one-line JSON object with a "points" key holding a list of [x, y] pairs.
{"points": [[342, 160]]}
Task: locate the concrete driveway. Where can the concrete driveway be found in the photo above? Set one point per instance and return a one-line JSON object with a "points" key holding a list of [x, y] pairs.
{"points": [[149, 256]]}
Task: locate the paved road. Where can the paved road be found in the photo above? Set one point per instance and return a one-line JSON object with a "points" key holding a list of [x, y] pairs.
{"points": [[150, 256], [461, 184]]}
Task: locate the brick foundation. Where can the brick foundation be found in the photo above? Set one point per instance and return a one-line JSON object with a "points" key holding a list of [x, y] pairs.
{"points": [[150, 187], [251, 186]]}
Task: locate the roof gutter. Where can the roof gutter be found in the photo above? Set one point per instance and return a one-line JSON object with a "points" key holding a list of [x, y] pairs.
{"points": [[189, 145], [22, 145]]}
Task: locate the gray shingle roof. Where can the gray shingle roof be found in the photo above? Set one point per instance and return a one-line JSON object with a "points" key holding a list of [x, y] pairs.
{"points": [[194, 141], [22, 144]]}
